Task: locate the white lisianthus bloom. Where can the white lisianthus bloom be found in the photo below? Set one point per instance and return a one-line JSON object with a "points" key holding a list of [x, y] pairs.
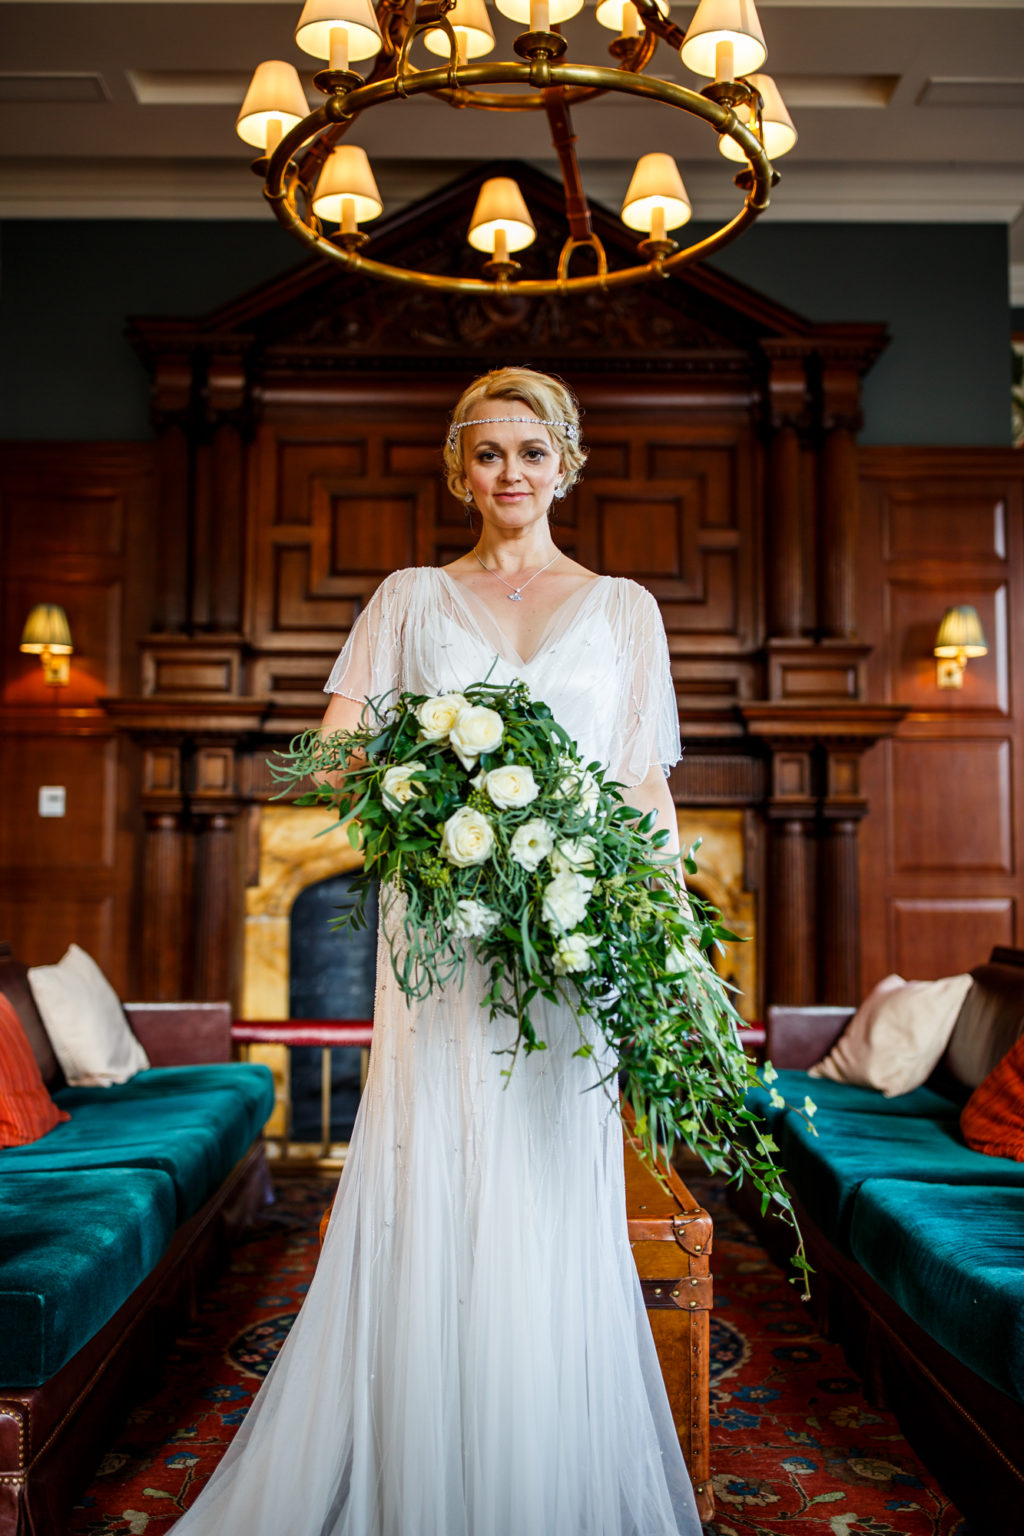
{"points": [[477, 729], [472, 920], [572, 953], [437, 716], [531, 843], [573, 856], [467, 838], [511, 786], [579, 785], [565, 901], [397, 787]]}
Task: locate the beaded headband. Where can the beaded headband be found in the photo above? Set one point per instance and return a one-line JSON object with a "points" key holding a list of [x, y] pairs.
{"points": [[572, 431]]}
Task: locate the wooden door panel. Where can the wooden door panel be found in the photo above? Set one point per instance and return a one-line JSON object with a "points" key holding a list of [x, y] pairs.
{"points": [[935, 936], [951, 806]]}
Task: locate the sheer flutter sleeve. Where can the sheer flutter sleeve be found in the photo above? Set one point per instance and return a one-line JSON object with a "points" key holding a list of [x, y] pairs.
{"points": [[649, 712], [370, 663]]}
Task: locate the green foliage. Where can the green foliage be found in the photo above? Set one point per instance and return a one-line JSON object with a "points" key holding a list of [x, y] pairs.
{"points": [[648, 984]]}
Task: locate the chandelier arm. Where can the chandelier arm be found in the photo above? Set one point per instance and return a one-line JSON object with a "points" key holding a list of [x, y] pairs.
{"points": [[655, 21], [577, 209]]}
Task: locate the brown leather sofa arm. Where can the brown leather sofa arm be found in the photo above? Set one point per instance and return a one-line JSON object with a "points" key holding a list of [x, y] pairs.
{"points": [[182, 1034], [798, 1037]]}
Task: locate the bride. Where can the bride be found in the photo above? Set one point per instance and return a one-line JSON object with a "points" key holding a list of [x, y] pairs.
{"points": [[473, 1357]]}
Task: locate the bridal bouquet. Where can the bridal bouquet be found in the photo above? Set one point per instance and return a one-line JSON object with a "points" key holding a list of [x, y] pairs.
{"points": [[492, 839]]}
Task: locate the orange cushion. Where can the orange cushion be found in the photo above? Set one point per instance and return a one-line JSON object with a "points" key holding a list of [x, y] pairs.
{"points": [[993, 1117], [26, 1109]]}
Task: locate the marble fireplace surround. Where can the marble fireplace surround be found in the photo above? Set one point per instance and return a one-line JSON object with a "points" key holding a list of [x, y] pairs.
{"points": [[292, 856]]}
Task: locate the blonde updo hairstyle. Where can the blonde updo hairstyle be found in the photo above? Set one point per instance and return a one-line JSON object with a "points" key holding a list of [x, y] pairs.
{"points": [[548, 398]]}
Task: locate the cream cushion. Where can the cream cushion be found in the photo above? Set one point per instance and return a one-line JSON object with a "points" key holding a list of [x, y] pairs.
{"points": [[897, 1036], [86, 1024]]}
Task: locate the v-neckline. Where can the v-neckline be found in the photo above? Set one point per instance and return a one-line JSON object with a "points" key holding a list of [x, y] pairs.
{"points": [[512, 652]]}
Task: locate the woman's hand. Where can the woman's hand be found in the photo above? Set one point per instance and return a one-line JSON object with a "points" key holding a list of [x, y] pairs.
{"points": [[653, 794], [341, 714]]}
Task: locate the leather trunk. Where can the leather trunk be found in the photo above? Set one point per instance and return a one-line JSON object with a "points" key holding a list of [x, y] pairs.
{"points": [[671, 1236]]}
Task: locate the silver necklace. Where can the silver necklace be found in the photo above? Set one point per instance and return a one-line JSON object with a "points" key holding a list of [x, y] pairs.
{"points": [[515, 594]]}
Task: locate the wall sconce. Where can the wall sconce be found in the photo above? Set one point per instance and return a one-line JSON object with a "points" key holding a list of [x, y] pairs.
{"points": [[959, 638], [48, 636]]}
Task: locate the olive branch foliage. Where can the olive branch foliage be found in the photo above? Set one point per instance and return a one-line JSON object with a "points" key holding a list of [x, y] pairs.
{"points": [[651, 988]]}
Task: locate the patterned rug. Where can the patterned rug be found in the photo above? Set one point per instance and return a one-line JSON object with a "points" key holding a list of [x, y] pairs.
{"points": [[795, 1449]]}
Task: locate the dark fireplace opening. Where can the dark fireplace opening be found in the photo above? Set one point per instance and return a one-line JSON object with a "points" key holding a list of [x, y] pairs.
{"points": [[331, 976]]}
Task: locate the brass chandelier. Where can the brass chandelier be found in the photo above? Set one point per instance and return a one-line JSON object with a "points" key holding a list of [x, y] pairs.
{"points": [[314, 181]]}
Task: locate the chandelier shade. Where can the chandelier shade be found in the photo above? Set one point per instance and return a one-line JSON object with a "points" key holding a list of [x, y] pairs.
{"points": [[275, 96], [347, 178], [326, 26], [501, 216], [615, 15], [656, 189], [724, 40], [526, 10], [777, 131], [472, 27]]}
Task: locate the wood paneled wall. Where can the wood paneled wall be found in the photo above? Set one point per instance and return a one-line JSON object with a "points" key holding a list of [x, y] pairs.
{"points": [[75, 530], [941, 852]]}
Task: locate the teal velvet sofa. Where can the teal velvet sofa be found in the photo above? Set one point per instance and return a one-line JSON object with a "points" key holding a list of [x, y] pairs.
{"points": [[918, 1241], [109, 1225]]}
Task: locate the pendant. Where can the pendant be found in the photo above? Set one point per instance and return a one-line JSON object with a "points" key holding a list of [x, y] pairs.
{"points": [[515, 597]]}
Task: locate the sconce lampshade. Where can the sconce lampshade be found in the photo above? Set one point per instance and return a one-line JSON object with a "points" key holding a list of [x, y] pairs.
{"points": [[960, 634], [472, 27], [656, 183], [346, 175], [559, 10], [609, 13], [47, 629], [776, 123], [500, 206], [729, 22], [354, 17], [275, 92]]}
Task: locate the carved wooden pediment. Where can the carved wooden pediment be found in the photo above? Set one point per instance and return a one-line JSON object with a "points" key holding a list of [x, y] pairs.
{"points": [[319, 318]]}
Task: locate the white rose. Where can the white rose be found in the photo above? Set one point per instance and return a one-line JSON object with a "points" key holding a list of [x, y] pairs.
{"points": [[676, 963], [565, 900], [472, 920], [467, 838], [573, 856], [531, 843], [397, 788], [437, 716], [477, 729], [511, 786], [572, 953]]}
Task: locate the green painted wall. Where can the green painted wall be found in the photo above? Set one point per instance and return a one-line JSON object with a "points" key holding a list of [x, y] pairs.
{"points": [[66, 289]]}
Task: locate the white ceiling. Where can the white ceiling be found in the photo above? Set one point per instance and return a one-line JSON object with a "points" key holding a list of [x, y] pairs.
{"points": [[909, 112]]}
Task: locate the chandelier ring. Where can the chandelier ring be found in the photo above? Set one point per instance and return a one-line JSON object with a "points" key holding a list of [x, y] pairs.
{"points": [[283, 186]]}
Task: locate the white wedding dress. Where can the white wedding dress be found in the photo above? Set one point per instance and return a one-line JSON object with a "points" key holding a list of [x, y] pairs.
{"points": [[473, 1357]]}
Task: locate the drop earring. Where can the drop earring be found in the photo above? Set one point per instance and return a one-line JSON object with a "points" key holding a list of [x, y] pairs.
{"points": [[468, 499]]}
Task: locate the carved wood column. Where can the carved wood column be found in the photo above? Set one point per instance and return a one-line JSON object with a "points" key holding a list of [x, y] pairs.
{"points": [[842, 810], [787, 410], [813, 816], [220, 500], [165, 970], [172, 409], [218, 872], [788, 946], [838, 519]]}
